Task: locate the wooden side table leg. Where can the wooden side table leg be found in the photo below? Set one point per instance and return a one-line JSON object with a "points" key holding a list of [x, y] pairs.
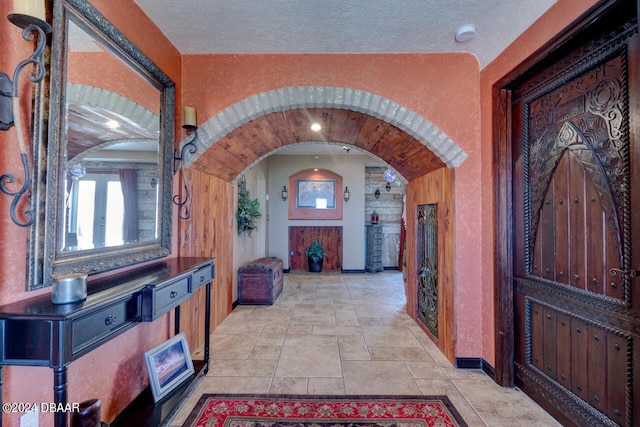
{"points": [[207, 326], [1, 402], [176, 324], [60, 385]]}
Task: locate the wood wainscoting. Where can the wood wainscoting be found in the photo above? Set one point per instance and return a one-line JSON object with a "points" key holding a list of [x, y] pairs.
{"points": [[301, 237], [208, 232]]}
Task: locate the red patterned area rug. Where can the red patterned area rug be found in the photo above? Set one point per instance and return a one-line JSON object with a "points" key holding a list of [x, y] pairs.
{"points": [[232, 410]]}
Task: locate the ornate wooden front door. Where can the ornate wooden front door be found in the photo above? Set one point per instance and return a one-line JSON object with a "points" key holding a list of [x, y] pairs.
{"points": [[576, 193]]}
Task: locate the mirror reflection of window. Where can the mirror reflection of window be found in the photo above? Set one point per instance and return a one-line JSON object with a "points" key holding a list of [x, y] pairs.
{"points": [[321, 203], [112, 117], [96, 212]]}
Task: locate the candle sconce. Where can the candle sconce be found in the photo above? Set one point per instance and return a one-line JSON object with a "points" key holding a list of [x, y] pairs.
{"points": [[346, 195], [10, 106], [284, 194], [178, 162]]}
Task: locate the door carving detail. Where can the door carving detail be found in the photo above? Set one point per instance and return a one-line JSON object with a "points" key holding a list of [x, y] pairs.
{"points": [[576, 182]]}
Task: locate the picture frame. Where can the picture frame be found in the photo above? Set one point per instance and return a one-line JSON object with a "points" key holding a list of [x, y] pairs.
{"points": [[168, 365], [316, 194], [309, 186]]}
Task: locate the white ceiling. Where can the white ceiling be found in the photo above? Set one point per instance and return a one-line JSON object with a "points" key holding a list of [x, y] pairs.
{"points": [[342, 26]]}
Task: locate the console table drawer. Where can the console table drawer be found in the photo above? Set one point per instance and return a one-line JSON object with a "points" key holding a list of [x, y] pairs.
{"points": [[158, 300], [90, 329], [201, 277]]}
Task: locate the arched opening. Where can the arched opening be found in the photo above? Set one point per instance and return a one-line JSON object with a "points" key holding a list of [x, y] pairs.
{"points": [[242, 136]]}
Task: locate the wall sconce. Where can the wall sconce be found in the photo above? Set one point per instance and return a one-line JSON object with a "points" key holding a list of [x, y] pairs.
{"points": [[284, 194], [189, 121], [377, 193], [346, 194], [30, 17]]}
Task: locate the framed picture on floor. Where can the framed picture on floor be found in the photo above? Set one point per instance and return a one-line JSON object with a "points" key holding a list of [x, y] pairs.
{"points": [[168, 365]]}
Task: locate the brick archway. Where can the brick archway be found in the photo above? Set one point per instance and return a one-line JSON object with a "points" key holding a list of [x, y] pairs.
{"points": [[322, 97]]}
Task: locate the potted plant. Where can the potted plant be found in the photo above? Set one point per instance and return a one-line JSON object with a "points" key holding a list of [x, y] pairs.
{"points": [[315, 253], [248, 209]]}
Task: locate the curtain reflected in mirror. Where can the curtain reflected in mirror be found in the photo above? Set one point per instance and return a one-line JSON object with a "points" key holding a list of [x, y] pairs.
{"points": [[112, 150]]}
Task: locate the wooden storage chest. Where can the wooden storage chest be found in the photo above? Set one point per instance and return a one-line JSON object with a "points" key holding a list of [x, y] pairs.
{"points": [[260, 281]]}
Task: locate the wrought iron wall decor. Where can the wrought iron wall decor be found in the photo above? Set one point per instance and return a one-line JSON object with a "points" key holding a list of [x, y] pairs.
{"points": [[428, 266], [181, 200], [10, 107]]}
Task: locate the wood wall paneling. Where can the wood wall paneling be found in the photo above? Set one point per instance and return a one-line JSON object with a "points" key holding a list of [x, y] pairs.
{"points": [[389, 209], [208, 232], [436, 187], [301, 237]]}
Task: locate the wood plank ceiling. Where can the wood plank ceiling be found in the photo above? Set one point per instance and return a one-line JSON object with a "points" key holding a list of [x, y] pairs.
{"points": [[230, 155]]}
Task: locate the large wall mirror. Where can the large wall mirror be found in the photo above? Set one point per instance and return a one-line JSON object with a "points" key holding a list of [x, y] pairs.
{"points": [[107, 181]]}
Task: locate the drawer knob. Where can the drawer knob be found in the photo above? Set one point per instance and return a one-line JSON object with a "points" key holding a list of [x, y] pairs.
{"points": [[173, 294], [201, 279], [110, 320]]}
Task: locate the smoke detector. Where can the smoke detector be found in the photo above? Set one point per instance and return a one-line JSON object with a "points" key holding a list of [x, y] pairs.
{"points": [[465, 33]]}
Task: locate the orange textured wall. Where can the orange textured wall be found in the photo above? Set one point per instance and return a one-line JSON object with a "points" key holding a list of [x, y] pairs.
{"points": [[105, 71], [443, 88], [559, 16], [121, 361]]}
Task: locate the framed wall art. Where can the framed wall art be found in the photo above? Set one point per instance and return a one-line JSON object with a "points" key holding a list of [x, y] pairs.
{"points": [[315, 194]]}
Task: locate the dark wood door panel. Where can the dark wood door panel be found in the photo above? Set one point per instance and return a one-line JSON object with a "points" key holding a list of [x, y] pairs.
{"points": [[301, 238], [590, 360], [573, 218]]}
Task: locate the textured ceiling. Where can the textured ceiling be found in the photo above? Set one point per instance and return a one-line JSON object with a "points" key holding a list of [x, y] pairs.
{"points": [[334, 26], [339, 26]]}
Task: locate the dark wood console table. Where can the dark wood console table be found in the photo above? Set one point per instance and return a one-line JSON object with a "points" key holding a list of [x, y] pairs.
{"points": [[36, 332]]}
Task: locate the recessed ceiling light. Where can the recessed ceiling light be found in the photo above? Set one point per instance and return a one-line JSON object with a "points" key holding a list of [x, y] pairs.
{"points": [[465, 33], [315, 127], [113, 124]]}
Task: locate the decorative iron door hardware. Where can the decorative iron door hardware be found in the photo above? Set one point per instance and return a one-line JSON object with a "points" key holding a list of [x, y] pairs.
{"points": [[628, 273]]}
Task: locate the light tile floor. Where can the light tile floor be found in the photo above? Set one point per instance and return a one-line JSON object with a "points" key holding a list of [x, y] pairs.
{"points": [[348, 334]]}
